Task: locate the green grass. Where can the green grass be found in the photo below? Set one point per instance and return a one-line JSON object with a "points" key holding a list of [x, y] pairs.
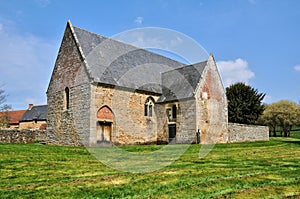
{"points": [[239, 170], [296, 133]]}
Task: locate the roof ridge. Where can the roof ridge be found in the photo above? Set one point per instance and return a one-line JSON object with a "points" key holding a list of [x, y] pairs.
{"points": [[79, 47], [14, 111], [40, 105]]}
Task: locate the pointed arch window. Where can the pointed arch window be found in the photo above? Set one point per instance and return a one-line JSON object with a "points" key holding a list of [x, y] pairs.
{"points": [[67, 98], [148, 107]]}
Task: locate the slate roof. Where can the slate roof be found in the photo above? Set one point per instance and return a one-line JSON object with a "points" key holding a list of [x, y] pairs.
{"points": [[115, 63], [38, 113], [119, 64], [181, 83], [14, 116]]}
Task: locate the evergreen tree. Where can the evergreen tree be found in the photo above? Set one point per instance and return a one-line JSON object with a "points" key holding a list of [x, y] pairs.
{"points": [[244, 103]]}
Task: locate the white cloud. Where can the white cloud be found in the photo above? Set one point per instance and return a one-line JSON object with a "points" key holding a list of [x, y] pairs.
{"points": [[139, 20], [26, 64], [297, 68], [235, 71]]}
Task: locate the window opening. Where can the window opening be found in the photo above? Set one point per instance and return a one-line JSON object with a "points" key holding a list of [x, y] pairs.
{"points": [[67, 98], [174, 111], [145, 110], [148, 107]]}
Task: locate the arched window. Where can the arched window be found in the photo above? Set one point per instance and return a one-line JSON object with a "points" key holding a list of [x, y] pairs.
{"points": [[148, 107], [67, 98]]}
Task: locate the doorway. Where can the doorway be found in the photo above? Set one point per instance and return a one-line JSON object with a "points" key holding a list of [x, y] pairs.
{"points": [[103, 132], [172, 133]]}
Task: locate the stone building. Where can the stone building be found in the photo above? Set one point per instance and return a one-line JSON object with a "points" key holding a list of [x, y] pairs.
{"points": [[105, 91], [35, 117], [12, 118]]}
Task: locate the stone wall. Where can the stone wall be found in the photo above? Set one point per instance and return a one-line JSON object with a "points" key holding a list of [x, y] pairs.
{"points": [[186, 122], [247, 133], [211, 106], [69, 125], [162, 123], [21, 136], [33, 125], [129, 125]]}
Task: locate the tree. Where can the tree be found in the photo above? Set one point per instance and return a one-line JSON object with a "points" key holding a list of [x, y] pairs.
{"points": [[244, 103], [283, 114], [2, 97], [4, 108], [269, 119]]}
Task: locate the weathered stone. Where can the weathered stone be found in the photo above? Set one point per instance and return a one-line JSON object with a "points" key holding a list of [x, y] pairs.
{"points": [[247, 133], [211, 106], [32, 124], [22, 136]]}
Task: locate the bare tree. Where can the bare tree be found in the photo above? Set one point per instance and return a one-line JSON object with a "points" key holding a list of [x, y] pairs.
{"points": [[4, 108]]}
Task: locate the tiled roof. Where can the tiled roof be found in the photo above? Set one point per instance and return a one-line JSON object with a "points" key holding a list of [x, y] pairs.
{"points": [[181, 83], [14, 116], [38, 113], [119, 64]]}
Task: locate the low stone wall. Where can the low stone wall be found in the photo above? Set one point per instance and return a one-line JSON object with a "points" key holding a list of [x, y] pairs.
{"points": [[21, 136], [237, 133], [247, 133]]}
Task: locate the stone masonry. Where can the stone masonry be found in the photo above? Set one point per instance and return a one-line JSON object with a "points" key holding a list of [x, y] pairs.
{"points": [[69, 126], [22, 136], [247, 133], [138, 97]]}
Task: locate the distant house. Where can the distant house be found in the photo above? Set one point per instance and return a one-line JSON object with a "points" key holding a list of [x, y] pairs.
{"points": [[35, 117], [13, 117]]}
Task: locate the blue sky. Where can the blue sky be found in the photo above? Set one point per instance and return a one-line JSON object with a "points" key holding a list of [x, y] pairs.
{"points": [[254, 41]]}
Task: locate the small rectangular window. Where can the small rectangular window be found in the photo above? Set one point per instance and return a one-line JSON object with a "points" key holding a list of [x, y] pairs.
{"points": [[174, 111], [145, 110], [67, 98]]}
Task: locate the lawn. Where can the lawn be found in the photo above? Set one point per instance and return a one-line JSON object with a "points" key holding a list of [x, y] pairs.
{"points": [[296, 133], [240, 170]]}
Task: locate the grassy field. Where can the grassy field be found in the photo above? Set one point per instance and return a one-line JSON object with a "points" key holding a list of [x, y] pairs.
{"points": [[240, 170], [295, 133]]}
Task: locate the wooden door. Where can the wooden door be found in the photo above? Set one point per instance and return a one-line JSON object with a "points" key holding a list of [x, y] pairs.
{"points": [[103, 132]]}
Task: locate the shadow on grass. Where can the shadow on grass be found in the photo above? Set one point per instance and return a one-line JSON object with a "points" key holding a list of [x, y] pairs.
{"points": [[292, 141]]}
